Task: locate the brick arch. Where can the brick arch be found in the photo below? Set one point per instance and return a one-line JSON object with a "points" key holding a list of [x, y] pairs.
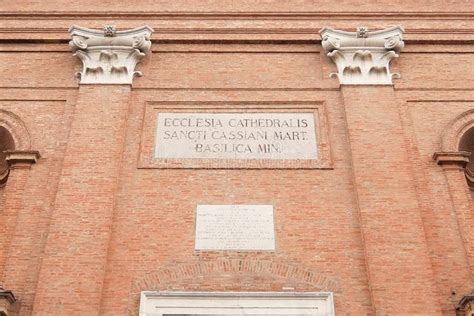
{"points": [[229, 268], [17, 129], [455, 130]]}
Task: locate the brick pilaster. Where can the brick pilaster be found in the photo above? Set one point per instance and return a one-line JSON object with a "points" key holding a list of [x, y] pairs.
{"points": [[398, 263], [73, 267]]}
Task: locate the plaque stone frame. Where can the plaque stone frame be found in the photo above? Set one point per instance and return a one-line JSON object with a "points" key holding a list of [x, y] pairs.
{"points": [[147, 158]]}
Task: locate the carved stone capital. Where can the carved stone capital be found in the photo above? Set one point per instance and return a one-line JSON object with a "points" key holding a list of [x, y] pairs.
{"points": [[109, 56], [457, 159], [363, 57], [21, 159], [466, 305], [7, 302]]}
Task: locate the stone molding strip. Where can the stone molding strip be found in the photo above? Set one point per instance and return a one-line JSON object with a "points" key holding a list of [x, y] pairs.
{"points": [[21, 159], [232, 15], [454, 159]]}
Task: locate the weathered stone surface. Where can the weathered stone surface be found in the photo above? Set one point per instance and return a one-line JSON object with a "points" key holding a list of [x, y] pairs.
{"points": [[235, 227], [363, 57], [109, 56], [235, 303], [236, 136]]}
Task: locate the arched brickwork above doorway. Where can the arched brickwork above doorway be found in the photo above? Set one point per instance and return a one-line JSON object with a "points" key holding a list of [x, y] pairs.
{"points": [[268, 275], [457, 144], [16, 128], [466, 144], [6, 143], [456, 129]]}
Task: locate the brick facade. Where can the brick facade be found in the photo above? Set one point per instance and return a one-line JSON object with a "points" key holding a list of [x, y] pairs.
{"points": [[383, 220]]}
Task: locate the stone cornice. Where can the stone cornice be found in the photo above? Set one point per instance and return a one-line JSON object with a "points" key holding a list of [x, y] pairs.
{"points": [[110, 14], [109, 56], [456, 160], [363, 57], [454, 39], [20, 159]]}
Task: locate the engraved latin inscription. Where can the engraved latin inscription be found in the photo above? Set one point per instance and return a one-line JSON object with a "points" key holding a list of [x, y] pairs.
{"points": [[234, 227], [205, 135]]}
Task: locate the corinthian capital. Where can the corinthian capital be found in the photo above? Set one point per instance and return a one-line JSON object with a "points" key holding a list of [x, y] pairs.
{"points": [[109, 56], [363, 57]]}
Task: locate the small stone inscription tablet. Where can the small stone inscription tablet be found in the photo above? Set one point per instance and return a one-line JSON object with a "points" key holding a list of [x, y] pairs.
{"points": [[249, 135], [235, 227]]}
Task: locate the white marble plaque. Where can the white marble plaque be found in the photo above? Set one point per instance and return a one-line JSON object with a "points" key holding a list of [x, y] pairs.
{"points": [[271, 135], [162, 303], [235, 227]]}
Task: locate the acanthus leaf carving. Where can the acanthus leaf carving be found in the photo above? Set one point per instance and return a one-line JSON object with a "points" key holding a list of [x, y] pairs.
{"points": [[109, 56], [363, 57]]}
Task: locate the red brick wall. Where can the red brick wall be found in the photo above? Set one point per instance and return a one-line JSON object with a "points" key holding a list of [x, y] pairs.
{"points": [[380, 228]]}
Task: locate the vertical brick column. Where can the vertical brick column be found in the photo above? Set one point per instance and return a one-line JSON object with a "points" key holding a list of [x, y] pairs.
{"points": [[397, 255], [73, 268], [453, 164], [19, 163], [400, 273]]}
